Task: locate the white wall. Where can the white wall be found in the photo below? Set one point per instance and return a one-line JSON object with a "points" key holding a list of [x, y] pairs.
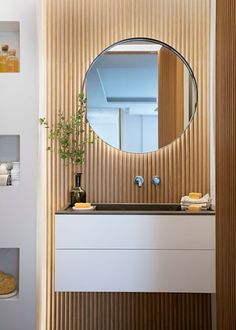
{"points": [[19, 115]]}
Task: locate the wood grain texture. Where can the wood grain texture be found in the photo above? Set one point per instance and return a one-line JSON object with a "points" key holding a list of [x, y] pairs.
{"points": [[132, 311], [76, 31], [226, 164]]}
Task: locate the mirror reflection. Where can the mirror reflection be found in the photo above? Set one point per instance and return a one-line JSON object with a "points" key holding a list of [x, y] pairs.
{"points": [[141, 96]]}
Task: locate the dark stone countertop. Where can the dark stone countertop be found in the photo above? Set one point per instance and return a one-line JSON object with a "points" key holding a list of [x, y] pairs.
{"points": [[134, 208]]}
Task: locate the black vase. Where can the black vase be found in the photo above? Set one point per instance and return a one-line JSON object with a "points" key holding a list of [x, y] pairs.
{"points": [[78, 194]]}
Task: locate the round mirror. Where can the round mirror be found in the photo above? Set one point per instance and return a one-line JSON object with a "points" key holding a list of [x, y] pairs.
{"points": [[141, 95]]}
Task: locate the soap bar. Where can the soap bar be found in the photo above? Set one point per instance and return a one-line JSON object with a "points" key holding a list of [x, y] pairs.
{"points": [[195, 195], [82, 205], [194, 208]]}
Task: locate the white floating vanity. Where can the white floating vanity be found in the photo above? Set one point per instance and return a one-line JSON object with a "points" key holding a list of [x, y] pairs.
{"points": [[135, 251]]}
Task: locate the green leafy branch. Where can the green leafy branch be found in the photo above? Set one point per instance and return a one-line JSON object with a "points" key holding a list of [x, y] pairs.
{"points": [[70, 134]]}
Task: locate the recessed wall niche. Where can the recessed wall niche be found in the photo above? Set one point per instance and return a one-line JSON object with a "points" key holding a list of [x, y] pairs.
{"points": [[9, 160], [9, 47], [9, 265]]}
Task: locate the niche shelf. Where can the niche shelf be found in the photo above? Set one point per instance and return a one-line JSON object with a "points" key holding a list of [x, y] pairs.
{"points": [[9, 264], [10, 35], [9, 160]]}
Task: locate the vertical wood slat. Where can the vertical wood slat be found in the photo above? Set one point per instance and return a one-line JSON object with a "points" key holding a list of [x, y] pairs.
{"points": [[133, 311], [226, 163], [76, 32]]}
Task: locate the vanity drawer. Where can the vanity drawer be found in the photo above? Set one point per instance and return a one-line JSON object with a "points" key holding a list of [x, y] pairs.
{"points": [[135, 232], [135, 270]]}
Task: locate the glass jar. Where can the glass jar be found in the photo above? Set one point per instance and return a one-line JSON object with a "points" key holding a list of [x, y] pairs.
{"points": [[12, 61], [3, 58]]}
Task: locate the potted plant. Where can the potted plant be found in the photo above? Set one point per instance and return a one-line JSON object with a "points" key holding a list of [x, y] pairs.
{"points": [[70, 134], [71, 139]]}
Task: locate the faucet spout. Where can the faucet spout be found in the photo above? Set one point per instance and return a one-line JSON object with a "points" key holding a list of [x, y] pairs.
{"points": [[139, 181]]}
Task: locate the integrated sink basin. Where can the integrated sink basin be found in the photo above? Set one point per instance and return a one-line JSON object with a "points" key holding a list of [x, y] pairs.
{"points": [[137, 207]]}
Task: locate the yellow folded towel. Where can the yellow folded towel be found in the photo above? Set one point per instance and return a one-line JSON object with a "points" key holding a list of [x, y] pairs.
{"points": [[195, 195], [194, 208]]}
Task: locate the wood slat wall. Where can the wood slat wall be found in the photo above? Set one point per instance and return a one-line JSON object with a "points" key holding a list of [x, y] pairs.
{"points": [[76, 31], [132, 311], [226, 163]]}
